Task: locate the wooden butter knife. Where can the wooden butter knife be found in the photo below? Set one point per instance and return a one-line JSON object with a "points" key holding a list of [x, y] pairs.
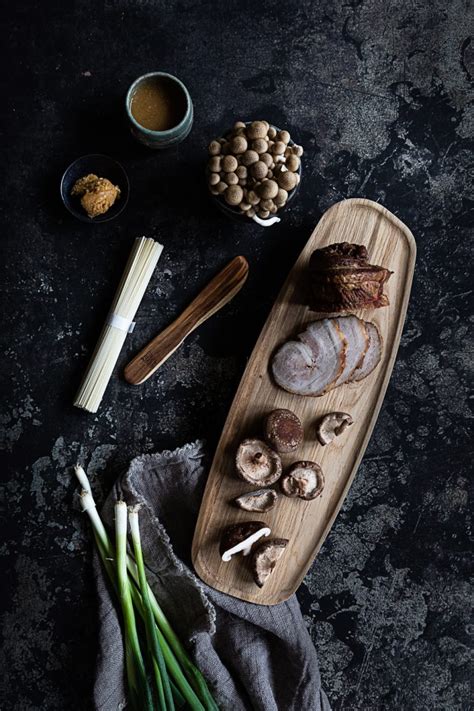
{"points": [[213, 297]]}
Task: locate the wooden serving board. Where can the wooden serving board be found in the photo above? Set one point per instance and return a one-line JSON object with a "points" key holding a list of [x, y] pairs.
{"points": [[305, 523]]}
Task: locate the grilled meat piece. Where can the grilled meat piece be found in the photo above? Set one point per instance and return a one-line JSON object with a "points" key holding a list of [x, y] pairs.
{"points": [[341, 279]]}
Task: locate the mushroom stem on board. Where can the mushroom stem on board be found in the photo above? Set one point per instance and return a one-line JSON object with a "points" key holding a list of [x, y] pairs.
{"points": [[332, 425], [240, 537]]}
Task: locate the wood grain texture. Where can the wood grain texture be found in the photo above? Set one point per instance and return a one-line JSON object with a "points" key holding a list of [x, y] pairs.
{"points": [[306, 524], [220, 290]]}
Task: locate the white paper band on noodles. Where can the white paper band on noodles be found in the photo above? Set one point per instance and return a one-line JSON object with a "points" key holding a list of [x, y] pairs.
{"points": [[120, 322]]}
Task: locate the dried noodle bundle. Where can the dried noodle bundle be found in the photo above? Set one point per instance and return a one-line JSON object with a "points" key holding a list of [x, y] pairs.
{"points": [[140, 267]]}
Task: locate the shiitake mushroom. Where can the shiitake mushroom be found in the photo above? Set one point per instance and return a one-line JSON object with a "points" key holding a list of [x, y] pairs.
{"points": [[265, 557], [283, 430], [304, 480], [331, 426], [257, 463], [261, 500]]}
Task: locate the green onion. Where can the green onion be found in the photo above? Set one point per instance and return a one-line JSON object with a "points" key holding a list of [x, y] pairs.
{"points": [[180, 701], [100, 534], [138, 686], [163, 687], [107, 555], [173, 651], [194, 675]]}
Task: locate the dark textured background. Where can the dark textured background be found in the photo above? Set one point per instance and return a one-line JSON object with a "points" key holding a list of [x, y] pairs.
{"points": [[377, 92]]}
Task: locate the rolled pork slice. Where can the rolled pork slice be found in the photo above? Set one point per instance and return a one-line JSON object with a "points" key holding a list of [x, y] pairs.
{"points": [[372, 356], [357, 338], [310, 365]]}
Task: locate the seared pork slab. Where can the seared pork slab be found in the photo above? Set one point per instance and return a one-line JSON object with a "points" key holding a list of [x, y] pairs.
{"points": [[342, 279], [355, 332], [328, 353], [310, 365], [372, 356]]}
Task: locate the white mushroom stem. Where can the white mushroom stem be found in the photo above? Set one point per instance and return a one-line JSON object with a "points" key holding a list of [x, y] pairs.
{"points": [[265, 223], [245, 546]]}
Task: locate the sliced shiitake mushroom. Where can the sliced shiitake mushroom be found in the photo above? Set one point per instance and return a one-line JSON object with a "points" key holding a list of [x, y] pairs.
{"points": [[262, 500], [304, 480], [257, 463], [265, 557], [283, 430], [332, 425], [240, 537]]}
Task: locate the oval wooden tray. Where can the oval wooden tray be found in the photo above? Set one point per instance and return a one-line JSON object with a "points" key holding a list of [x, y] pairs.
{"points": [[306, 524]]}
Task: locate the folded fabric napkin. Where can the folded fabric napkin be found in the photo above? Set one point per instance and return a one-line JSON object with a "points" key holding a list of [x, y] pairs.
{"points": [[253, 656]]}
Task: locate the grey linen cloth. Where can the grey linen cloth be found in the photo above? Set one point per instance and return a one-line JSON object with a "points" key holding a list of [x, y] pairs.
{"points": [[253, 656]]}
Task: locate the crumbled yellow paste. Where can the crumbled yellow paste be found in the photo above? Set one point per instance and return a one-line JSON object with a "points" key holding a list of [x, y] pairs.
{"points": [[97, 194]]}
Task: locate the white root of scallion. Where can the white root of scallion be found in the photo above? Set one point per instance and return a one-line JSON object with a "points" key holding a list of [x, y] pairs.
{"points": [[82, 478], [88, 505]]}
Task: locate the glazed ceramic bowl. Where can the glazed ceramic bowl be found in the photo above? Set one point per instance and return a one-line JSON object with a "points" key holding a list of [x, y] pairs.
{"points": [[235, 214], [103, 167], [160, 139]]}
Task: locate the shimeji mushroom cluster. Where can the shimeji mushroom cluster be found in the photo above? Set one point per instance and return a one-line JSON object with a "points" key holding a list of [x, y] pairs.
{"points": [[254, 168]]}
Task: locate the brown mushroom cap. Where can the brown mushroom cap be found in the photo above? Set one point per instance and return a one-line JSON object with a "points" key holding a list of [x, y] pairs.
{"points": [[257, 129], [257, 463], [229, 164], [238, 145], [234, 195], [332, 425], [304, 480], [283, 430], [241, 536], [249, 157], [268, 189], [293, 163], [261, 500], [287, 180], [265, 557], [259, 170], [214, 148]]}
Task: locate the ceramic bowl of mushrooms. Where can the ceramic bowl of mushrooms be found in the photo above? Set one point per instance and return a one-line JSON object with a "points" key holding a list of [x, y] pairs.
{"points": [[253, 171]]}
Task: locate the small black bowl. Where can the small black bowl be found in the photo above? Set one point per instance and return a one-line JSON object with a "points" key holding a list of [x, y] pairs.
{"points": [[103, 167]]}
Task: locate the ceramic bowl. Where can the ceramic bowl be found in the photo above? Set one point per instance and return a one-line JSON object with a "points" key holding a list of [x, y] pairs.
{"points": [[235, 214], [160, 139], [104, 167]]}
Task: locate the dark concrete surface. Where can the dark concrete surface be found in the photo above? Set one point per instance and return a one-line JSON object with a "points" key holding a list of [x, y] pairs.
{"points": [[378, 94]]}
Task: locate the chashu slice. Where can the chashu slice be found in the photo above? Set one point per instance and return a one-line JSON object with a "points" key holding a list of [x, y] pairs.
{"points": [[357, 338], [372, 356], [311, 364]]}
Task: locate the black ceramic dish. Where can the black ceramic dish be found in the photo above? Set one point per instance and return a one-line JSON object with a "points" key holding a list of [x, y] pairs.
{"points": [[234, 213], [104, 167]]}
